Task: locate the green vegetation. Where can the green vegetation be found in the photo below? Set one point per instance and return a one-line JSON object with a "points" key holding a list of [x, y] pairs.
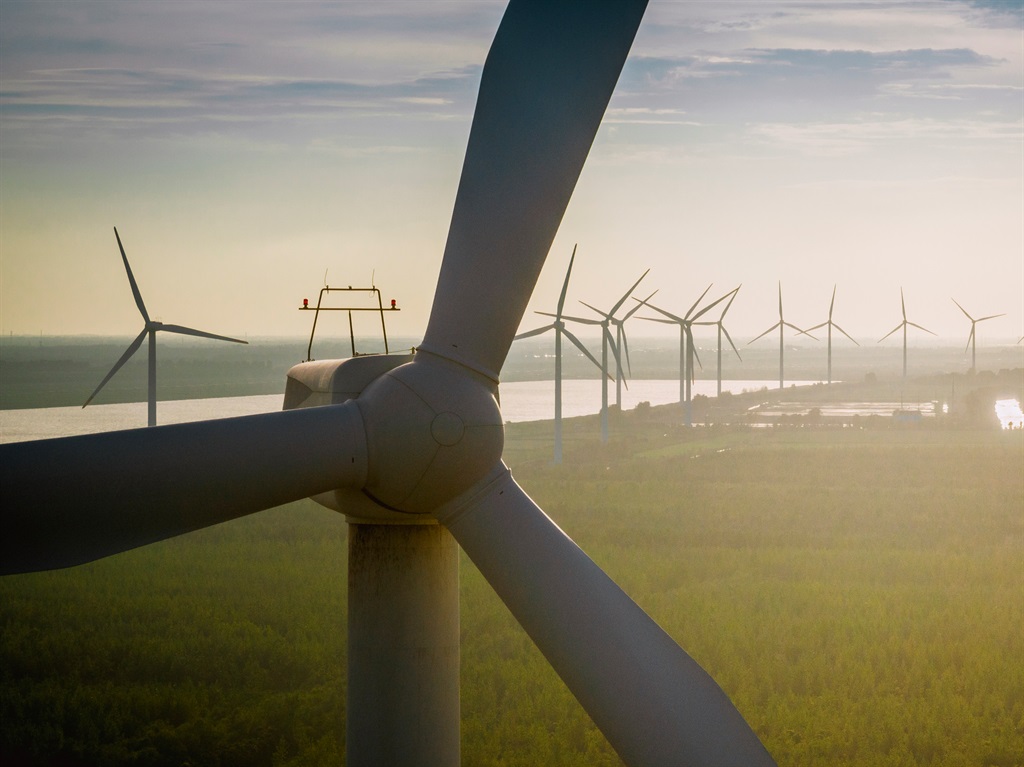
{"points": [[859, 594]]}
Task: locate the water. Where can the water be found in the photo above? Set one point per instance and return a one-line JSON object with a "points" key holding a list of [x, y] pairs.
{"points": [[520, 400]]}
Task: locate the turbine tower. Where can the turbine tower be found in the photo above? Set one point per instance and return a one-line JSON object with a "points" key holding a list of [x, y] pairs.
{"points": [[720, 324], [559, 327], [830, 324], [972, 338], [606, 342], [687, 347], [620, 344], [781, 325], [150, 328], [413, 455], [904, 324]]}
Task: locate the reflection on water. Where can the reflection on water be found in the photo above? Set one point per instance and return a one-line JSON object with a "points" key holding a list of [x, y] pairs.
{"points": [[1009, 414], [521, 401]]}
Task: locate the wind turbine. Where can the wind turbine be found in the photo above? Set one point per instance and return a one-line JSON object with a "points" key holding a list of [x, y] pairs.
{"points": [[559, 327], [720, 323], [419, 444], [687, 349], [150, 328], [972, 338], [904, 324], [620, 344], [781, 325], [830, 324]]}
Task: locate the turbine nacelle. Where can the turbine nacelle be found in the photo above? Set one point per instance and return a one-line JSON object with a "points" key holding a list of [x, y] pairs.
{"points": [[433, 429]]}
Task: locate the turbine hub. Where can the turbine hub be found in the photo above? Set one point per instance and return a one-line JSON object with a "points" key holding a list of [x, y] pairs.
{"points": [[433, 430]]}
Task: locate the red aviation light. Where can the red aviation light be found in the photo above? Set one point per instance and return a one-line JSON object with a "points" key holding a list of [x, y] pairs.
{"points": [[305, 303], [393, 302]]}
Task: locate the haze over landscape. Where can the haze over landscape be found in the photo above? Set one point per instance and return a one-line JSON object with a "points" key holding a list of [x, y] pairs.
{"points": [[245, 149]]}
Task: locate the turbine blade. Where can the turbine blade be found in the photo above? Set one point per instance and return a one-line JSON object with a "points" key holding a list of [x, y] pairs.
{"points": [[915, 325], [606, 315], [890, 332], [119, 490], [132, 348], [832, 303], [970, 338], [903, 305], [735, 293], [729, 338], [699, 299], [625, 349], [583, 320], [671, 317], [586, 352], [962, 309], [131, 280], [531, 333], [565, 285], [627, 294], [800, 331], [844, 333], [710, 306], [535, 120], [652, 701], [640, 303], [769, 330], [199, 333], [990, 317]]}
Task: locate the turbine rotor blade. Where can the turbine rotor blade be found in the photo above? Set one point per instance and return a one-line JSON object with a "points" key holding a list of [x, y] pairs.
{"points": [[844, 333], [891, 332], [990, 317], [535, 120], [118, 490], [606, 315], [628, 293], [970, 338], [640, 303], [962, 309], [652, 701], [699, 299], [586, 352], [537, 332], [182, 330], [565, 285], [132, 348], [729, 338], [915, 325], [583, 320], [769, 330], [131, 280]]}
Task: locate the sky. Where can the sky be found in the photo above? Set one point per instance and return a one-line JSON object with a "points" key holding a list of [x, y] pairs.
{"points": [[248, 152]]}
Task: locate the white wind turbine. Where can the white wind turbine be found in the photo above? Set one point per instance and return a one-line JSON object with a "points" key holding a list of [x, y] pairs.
{"points": [[720, 324], [559, 327], [411, 453], [607, 342], [972, 338], [781, 325], [687, 347], [830, 324], [150, 328], [904, 324], [620, 344]]}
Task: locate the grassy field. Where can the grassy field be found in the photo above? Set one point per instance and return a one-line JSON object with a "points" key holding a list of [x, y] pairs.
{"points": [[858, 593]]}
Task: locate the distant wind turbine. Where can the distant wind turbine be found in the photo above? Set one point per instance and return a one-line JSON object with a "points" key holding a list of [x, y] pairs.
{"points": [[972, 339], [830, 324], [720, 323], [904, 324], [559, 327], [606, 341], [150, 328], [621, 344], [687, 347], [781, 325]]}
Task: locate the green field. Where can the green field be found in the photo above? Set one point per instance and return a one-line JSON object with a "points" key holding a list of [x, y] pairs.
{"points": [[858, 593]]}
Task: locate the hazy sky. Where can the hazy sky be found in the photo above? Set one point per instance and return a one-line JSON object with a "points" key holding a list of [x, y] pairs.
{"points": [[243, 149]]}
